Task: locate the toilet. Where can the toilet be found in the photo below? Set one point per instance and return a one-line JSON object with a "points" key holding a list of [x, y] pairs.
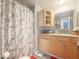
{"points": [[25, 57]]}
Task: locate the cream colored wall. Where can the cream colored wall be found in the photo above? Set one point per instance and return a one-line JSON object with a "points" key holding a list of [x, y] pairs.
{"points": [[78, 13], [63, 8], [68, 5]]}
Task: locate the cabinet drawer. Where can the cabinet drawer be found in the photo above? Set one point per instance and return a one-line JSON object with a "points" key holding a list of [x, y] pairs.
{"points": [[74, 42]]}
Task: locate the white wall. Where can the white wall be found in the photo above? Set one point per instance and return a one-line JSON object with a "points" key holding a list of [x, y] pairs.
{"points": [[37, 9]]}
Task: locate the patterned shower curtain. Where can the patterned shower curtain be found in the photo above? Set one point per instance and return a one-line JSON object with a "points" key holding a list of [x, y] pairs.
{"points": [[16, 29]]}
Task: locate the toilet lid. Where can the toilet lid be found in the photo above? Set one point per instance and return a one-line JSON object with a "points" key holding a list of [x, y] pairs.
{"points": [[24, 57]]}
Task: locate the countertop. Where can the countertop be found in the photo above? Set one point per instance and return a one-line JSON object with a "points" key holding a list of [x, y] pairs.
{"points": [[70, 35]]}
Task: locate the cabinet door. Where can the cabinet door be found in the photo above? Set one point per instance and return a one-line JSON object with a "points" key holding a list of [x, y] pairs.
{"points": [[53, 46], [67, 50], [56, 46], [78, 54], [70, 49], [52, 18], [47, 18], [40, 43], [60, 48], [44, 44], [74, 50]]}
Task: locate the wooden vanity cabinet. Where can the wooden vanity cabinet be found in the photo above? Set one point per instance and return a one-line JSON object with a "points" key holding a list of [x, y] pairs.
{"points": [[64, 47], [60, 46]]}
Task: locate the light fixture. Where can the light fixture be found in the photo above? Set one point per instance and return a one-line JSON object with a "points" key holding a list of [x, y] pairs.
{"points": [[61, 2]]}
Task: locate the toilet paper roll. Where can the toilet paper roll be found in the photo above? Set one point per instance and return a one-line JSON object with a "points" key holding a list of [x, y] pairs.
{"points": [[6, 55]]}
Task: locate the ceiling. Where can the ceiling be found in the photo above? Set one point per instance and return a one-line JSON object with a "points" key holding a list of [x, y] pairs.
{"points": [[47, 3], [29, 3], [51, 4]]}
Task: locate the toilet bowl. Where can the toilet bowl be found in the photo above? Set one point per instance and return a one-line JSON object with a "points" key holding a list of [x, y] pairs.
{"points": [[25, 57]]}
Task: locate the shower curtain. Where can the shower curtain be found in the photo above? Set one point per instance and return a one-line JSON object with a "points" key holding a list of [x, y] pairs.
{"points": [[16, 29]]}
